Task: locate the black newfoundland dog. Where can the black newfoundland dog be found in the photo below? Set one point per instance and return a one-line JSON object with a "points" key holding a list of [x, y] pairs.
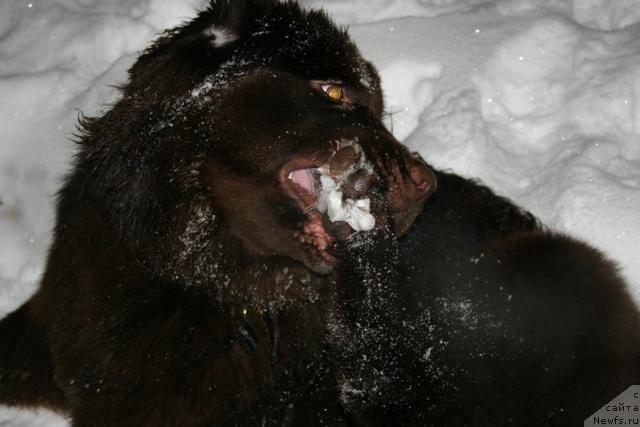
{"points": [[189, 270], [235, 246]]}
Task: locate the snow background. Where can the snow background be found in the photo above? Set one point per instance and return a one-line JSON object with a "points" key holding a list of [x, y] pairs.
{"points": [[538, 98]]}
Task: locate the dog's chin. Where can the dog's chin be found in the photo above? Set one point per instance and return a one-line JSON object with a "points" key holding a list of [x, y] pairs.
{"points": [[317, 261]]}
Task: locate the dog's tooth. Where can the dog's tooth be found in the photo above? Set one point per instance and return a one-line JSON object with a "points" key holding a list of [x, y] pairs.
{"points": [[290, 176]]}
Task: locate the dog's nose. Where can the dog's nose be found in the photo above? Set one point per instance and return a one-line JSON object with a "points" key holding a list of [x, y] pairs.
{"points": [[358, 183]]}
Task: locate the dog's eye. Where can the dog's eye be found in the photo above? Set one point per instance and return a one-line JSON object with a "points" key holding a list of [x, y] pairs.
{"points": [[333, 91]]}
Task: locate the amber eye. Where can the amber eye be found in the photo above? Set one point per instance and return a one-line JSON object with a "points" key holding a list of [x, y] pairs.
{"points": [[333, 91]]}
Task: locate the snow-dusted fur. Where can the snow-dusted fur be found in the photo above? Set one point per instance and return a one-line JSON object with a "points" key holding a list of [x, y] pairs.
{"points": [[178, 291], [480, 316]]}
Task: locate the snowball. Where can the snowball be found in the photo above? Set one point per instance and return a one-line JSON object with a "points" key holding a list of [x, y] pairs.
{"points": [[356, 213]]}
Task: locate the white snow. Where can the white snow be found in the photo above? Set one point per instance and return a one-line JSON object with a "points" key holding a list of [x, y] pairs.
{"points": [[538, 98], [331, 200], [356, 213]]}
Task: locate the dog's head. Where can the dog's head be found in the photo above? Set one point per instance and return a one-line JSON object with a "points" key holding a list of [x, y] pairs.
{"points": [[229, 136]]}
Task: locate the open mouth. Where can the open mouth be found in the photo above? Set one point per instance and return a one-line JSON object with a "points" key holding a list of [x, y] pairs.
{"points": [[331, 195], [304, 185]]}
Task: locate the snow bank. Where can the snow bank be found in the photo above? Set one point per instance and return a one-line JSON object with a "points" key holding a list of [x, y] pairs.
{"points": [[538, 98], [409, 87], [12, 417], [598, 14], [367, 11], [57, 58], [551, 119], [566, 102], [606, 14]]}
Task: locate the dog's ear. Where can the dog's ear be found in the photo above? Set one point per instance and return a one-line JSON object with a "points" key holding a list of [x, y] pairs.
{"points": [[229, 20]]}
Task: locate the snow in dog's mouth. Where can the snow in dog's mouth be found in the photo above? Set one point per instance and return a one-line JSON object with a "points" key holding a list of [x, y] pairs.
{"points": [[331, 193]]}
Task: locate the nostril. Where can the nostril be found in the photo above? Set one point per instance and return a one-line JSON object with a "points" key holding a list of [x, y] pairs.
{"points": [[423, 178], [358, 183]]}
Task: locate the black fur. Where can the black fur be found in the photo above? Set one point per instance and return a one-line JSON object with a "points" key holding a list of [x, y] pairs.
{"points": [[481, 316], [26, 373]]}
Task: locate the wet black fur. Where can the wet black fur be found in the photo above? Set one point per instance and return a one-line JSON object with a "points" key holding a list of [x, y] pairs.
{"points": [[480, 316]]}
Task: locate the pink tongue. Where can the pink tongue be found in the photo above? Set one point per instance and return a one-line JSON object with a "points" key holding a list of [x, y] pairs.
{"points": [[304, 179]]}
